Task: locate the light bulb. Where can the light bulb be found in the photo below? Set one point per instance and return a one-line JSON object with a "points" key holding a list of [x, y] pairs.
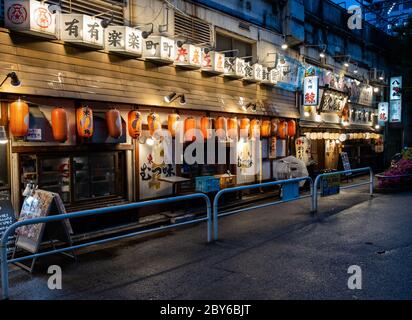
{"points": [[150, 141], [306, 114], [322, 55], [318, 118], [284, 46]]}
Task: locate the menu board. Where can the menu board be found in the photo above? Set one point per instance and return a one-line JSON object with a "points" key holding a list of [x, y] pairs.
{"points": [[41, 204], [7, 218]]}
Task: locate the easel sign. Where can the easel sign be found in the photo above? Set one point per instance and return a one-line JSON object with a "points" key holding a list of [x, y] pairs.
{"points": [[41, 204], [346, 163]]}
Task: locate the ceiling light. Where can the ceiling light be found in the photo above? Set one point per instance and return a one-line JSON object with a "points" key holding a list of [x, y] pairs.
{"points": [[170, 97], [346, 64], [376, 89], [322, 55], [284, 46]]}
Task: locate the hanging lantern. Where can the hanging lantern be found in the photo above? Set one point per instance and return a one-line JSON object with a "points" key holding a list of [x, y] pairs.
{"points": [[134, 119], [274, 126], [221, 128], [319, 135], [205, 126], [265, 130], [244, 127], [153, 122], [19, 118], [84, 120], [282, 129], [313, 136], [255, 128], [232, 128], [172, 122], [114, 123], [291, 128], [59, 124], [326, 136], [190, 125]]}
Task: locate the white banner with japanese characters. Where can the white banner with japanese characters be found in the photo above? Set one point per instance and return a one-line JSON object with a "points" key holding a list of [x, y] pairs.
{"points": [[311, 91]]}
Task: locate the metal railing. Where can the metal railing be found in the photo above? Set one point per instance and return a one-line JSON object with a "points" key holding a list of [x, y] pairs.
{"points": [[254, 186], [10, 230], [318, 180]]}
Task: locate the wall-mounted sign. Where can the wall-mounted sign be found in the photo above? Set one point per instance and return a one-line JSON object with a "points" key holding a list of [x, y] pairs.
{"points": [[395, 114], [213, 62], [29, 16], [234, 67], [333, 101], [396, 88], [159, 49], [383, 111], [289, 73], [311, 91], [365, 95], [336, 81], [269, 76], [189, 56], [82, 29], [34, 134], [124, 40], [253, 73]]}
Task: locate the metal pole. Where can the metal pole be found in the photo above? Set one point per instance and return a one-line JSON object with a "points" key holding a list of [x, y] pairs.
{"points": [[4, 269], [371, 182]]}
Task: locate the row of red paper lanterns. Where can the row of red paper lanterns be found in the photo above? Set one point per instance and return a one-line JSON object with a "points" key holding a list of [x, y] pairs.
{"points": [[19, 124]]}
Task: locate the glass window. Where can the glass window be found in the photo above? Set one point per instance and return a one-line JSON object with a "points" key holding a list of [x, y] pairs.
{"points": [[224, 42]]}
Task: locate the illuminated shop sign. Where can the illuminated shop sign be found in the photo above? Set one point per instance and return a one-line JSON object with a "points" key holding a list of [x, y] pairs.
{"points": [[159, 49], [234, 67], [213, 62], [124, 40], [189, 56], [311, 91], [82, 29], [253, 72]]}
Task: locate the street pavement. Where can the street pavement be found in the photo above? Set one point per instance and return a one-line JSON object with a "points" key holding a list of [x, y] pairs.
{"points": [[278, 252]]}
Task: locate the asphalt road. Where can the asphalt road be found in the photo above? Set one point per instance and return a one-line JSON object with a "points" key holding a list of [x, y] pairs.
{"points": [[278, 252]]}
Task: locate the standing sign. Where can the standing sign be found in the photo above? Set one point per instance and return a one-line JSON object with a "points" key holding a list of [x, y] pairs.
{"points": [[82, 29], [124, 40], [311, 91], [396, 87], [383, 110], [29, 16], [330, 185], [345, 162], [395, 115], [7, 218]]}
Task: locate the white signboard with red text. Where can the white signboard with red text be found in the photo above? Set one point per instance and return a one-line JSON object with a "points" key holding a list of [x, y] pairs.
{"points": [[82, 29], [124, 40], [311, 91], [383, 112], [213, 62], [29, 16], [189, 56]]}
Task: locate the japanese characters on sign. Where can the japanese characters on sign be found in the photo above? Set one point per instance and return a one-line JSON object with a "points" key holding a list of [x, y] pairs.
{"points": [[395, 114], [82, 29], [213, 62], [31, 17], [159, 49], [234, 67], [333, 101], [268, 76], [311, 91], [124, 40], [189, 56], [289, 73], [396, 87], [253, 72], [383, 109]]}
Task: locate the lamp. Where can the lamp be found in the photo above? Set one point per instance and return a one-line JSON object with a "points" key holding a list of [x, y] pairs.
{"points": [[3, 135], [170, 97], [182, 100], [323, 47], [14, 79], [284, 45], [146, 34]]}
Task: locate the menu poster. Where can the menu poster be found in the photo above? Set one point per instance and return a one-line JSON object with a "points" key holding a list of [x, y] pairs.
{"points": [[395, 114], [41, 204], [7, 218]]}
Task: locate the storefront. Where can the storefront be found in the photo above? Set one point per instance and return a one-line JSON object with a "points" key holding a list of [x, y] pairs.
{"points": [[81, 123], [338, 115]]}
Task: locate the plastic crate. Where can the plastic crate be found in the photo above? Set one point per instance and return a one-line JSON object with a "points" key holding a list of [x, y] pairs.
{"points": [[207, 184]]}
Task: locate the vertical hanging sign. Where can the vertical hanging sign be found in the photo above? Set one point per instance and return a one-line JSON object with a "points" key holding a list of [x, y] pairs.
{"points": [[383, 110], [311, 91], [395, 96]]}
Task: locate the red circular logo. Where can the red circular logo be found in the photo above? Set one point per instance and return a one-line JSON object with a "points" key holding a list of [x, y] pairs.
{"points": [[43, 17], [17, 13]]}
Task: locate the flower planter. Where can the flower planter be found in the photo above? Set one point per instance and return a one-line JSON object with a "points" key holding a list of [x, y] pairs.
{"points": [[395, 183]]}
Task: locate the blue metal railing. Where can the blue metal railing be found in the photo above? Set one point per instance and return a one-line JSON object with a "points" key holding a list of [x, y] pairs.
{"points": [[318, 180], [254, 186], [10, 230]]}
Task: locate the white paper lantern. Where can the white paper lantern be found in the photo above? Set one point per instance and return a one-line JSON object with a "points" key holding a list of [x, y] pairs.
{"points": [[342, 137], [325, 135], [319, 135]]}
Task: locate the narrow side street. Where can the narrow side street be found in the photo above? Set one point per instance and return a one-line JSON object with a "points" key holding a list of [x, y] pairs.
{"points": [[277, 252]]}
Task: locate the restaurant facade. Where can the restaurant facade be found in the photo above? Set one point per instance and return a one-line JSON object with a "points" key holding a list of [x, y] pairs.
{"points": [[94, 90]]}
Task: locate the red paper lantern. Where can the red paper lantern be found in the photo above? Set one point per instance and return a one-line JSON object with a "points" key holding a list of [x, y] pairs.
{"points": [[114, 123], [274, 127], [84, 121], [153, 121], [190, 126], [244, 127], [205, 126], [172, 121], [221, 127], [291, 128], [134, 120], [255, 128], [59, 124], [265, 129], [282, 129], [232, 128], [19, 118]]}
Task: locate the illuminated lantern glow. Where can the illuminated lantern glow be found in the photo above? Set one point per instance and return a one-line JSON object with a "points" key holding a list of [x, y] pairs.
{"points": [[291, 128], [134, 121], [153, 122], [205, 126], [282, 129], [221, 128], [172, 122], [265, 129], [84, 121], [232, 127], [59, 124], [114, 123], [244, 127], [19, 118], [190, 126], [255, 128], [274, 127]]}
